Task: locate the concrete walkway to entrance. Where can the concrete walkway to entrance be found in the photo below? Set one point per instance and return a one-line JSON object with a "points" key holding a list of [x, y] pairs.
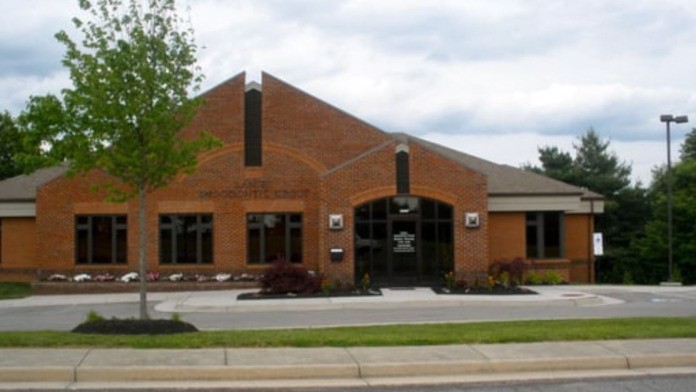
{"points": [[341, 367]]}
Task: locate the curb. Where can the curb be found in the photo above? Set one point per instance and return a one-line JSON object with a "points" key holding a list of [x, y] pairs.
{"points": [[359, 364]]}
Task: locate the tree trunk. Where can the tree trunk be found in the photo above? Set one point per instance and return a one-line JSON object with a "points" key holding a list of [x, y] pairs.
{"points": [[142, 252]]}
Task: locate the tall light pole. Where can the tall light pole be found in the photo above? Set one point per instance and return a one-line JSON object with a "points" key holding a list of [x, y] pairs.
{"points": [[667, 119]]}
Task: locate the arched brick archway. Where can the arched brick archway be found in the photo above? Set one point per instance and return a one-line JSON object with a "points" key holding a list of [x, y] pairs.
{"points": [[403, 240]]}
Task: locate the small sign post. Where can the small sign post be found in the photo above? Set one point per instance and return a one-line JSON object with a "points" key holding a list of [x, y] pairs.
{"points": [[598, 244]]}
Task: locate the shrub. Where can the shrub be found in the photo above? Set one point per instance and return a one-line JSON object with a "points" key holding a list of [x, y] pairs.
{"points": [[450, 280], [282, 277], [504, 278], [517, 270], [533, 278], [365, 282], [93, 316], [553, 278], [326, 286]]}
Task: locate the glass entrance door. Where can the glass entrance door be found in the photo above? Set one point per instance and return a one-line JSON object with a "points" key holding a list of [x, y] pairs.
{"points": [[404, 249], [403, 240]]}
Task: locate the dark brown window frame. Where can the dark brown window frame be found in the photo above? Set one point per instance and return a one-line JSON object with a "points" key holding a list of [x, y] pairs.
{"points": [[258, 224], [203, 227], [88, 228]]}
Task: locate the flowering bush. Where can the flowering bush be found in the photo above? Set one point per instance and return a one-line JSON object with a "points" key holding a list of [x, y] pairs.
{"points": [[326, 286], [365, 282], [57, 278], [176, 277], [223, 277], [106, 277], [82, 278], [153, 276], [130, 277]]}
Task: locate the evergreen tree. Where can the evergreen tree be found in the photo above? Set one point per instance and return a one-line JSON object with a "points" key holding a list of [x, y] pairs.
{"points": [[556, 164], [595, 167]]}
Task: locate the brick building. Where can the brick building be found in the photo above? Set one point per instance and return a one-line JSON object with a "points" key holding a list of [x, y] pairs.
{"points": [[299, 179]]}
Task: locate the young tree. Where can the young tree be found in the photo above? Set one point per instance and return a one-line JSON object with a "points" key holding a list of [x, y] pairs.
{"points": [[131, 76]]}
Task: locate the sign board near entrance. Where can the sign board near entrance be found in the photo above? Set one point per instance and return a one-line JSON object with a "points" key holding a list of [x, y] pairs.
{"points": [[404, 242]]}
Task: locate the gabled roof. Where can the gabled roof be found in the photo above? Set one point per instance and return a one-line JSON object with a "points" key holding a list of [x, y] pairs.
{"points": [[24, 186], [503, 180]]}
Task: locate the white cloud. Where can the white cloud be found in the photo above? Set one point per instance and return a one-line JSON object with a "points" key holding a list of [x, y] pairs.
{"points": [[542, 70]]}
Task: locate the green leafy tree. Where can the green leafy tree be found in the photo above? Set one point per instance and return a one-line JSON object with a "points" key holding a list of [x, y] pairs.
{"points": [[653, 247], [10, 146], [42, 125], [131, 76]]}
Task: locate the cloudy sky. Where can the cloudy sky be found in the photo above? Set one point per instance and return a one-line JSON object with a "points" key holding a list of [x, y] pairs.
{"points": [[492, 78]]}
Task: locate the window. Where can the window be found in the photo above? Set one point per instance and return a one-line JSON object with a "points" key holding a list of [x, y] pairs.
{"points": [[544, 235], [252, 128], [186, 239], [402, 173], [274, 236], [101, 239]]}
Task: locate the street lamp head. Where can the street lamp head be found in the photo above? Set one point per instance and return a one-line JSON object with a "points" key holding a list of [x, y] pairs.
{"points": [[666, 118], [681, 119]]}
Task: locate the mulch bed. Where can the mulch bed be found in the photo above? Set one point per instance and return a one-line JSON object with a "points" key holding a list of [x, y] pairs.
{"points": [[350, 293], [497, 290], [134, 327]]}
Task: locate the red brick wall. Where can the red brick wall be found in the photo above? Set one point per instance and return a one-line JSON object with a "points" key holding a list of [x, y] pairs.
{"points": [[317, 160], [432, 176], [507, 236]]}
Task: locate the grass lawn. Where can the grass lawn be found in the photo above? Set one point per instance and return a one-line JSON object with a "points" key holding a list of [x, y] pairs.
{"points": [[14, 290], [397, 335]]}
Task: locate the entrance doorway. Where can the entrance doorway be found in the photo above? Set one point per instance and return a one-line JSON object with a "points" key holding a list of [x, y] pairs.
{"points": [[404, 263], [403, 240]]}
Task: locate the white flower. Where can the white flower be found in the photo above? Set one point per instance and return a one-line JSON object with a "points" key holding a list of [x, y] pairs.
{"points": [[223, 277], [176, 277], [82, 278], [129, 277]]}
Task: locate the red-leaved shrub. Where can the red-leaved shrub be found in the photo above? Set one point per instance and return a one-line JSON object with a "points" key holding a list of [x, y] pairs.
{"points": [[282, 277]]}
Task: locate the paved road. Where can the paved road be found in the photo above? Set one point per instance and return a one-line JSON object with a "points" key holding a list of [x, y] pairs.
{"points": [[651, 384], [632, 302]]}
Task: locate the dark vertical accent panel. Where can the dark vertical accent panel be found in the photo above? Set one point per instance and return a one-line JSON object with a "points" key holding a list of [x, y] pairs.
{"points": [[403, 185], [252, 128]]}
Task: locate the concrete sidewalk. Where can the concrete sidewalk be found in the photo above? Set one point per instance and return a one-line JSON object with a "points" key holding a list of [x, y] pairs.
{"points": [[356, 366]]}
